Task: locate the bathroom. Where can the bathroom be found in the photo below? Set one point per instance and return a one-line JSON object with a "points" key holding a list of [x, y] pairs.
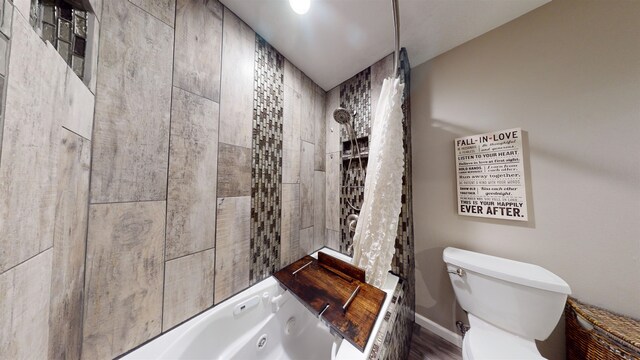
{"points": [[143, 153]]}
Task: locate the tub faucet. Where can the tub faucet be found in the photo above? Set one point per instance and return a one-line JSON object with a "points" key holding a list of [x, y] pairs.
{"points": [[278, 301]]}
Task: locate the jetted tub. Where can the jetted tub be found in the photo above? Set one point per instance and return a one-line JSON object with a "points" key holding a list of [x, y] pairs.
{"points": [[262, 322]]}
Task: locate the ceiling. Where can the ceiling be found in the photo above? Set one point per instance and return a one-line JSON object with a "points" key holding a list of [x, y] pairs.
{"points": [[338, 38]]}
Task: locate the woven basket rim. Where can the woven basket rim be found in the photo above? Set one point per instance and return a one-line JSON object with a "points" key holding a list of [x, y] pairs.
{"points": [[622, 328]]}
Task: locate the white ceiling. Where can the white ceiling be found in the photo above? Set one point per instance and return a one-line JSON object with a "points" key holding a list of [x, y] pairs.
{"points": [[338, 38]]}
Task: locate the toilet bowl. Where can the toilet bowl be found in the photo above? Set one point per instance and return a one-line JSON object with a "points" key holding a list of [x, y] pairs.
{"points": [[510, 304], [485, 341]]}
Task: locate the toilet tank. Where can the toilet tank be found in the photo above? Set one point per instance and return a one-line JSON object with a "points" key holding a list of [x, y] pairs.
{"points": [[521, 298]]}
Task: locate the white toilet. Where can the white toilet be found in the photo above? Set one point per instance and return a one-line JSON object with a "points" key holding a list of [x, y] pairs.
{"points": [[510, 304]]}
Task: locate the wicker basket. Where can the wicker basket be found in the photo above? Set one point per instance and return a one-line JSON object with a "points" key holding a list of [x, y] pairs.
{"points": [[594, 333]]}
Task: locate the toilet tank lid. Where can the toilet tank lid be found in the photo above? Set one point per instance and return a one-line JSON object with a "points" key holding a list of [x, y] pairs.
{"points": [[508, 270]]}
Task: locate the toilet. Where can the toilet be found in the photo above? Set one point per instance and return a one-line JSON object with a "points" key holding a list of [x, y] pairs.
{"points": [[510, 304]]}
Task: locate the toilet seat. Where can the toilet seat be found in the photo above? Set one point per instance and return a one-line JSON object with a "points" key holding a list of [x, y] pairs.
{"points": [[487, 342]]}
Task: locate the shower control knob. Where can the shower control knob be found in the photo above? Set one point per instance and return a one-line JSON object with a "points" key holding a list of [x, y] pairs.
{"points": [[352, 220]]}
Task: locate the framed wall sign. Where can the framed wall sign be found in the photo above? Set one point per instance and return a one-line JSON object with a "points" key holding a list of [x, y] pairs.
{"points": [[490, 175]]}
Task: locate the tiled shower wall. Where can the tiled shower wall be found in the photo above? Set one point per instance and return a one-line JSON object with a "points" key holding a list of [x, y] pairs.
{"points": [[359, 95], [197, 189], [45, 155], [201, 173], [207, 167]]}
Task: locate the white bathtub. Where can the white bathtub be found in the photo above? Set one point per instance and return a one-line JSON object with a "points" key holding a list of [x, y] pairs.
{"points": [[257, 324]]}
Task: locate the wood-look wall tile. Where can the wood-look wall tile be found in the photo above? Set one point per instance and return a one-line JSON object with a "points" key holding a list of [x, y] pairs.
{"points": [[333, 239], [290, 225], [234, 170], [4, 51], [24, 309], [191, 202], [75, 109], [198, 50], [291, 136], [124, 275], [236, 87], [24, 7], [131, 137], [320, 128], [188, 287], [65, 318], [306, 185], [164, 10], [333, 189], [292, 76], [307, 111], [5, 19], [306, 242], [92, 51], [29, 148], [96, 5], [379, 71], [319, 223], [332, 101], [232, 246]]}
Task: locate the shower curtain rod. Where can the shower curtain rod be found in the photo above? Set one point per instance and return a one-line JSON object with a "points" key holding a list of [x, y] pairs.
{"points": [[396, 25]]}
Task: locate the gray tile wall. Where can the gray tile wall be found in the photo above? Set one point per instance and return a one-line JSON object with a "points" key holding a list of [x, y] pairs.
{"points": [[44, 172], [163, 10], [198, 47], [218, 155], [319, 223], [234, 170], [236, 86], [188, 287], [290, 224], [144, 220], [233, 254], [69, 239], [191, 195], [125, 270], [6, 17], [131, 137], [25, 305]]}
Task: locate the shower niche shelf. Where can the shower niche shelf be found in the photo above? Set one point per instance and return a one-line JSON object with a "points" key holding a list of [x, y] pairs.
{"points": [[336, 292], [349, 153]]}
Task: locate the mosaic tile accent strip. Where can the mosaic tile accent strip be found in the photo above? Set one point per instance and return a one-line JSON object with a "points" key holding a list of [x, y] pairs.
{"points": [[353, 192], [266, 172], [355, 96], [403, 260], [64, 27], [391, 341]]}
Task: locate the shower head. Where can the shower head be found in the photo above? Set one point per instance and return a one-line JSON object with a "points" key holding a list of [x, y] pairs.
{"points": [[341, 116]]}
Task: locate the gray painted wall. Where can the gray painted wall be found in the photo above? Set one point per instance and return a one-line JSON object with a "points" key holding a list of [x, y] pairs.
{"points": [[567, 73]]}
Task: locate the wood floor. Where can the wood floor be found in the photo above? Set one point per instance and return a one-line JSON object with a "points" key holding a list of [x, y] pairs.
{"points": [[426, 345]]}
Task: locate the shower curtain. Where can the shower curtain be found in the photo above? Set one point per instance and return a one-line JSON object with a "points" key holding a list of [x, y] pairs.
{"points": [[375, 235]]}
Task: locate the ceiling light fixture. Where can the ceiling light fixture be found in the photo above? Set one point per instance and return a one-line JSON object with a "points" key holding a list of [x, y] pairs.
{"points": [[300, 6]]}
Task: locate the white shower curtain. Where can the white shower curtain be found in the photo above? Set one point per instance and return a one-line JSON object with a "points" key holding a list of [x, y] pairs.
{"points": [[374, 239]]}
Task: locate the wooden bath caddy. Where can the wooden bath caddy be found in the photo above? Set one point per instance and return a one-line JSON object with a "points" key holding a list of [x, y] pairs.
{"points": [[353, 305]]}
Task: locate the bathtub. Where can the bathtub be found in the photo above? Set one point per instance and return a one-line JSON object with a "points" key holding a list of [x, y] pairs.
{"points": [[261, 322]]}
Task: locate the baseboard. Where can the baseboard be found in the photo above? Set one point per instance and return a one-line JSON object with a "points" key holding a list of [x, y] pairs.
{"points": [[439, 330]]}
